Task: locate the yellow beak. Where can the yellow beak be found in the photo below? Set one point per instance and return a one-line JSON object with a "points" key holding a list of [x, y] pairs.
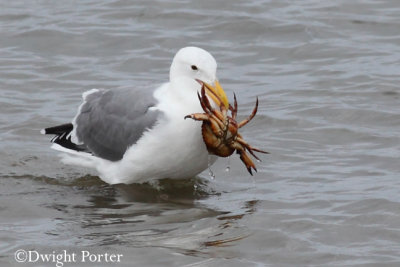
{"points": [[216, 93]]}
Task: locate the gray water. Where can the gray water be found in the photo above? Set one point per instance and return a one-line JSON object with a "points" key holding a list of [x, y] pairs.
{"points": [[327, 77]]}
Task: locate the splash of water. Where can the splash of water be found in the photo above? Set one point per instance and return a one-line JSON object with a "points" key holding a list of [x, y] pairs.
{"points": [[210, 172]]}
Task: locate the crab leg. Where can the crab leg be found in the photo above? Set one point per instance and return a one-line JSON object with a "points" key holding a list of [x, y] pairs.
{"points": [[208, 109], [247, 146], [198, 117], [241, 141], [220, 117], [223, 112], [234, 109], [203, 105], [225, 120], [215, 124], [252, 153], [244, 157], [244, 122], [210, 112], [207, 103], [247, 161]]}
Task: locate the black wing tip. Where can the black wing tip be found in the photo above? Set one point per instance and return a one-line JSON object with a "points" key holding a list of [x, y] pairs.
{"points": [[58, 130], [63, 137]]}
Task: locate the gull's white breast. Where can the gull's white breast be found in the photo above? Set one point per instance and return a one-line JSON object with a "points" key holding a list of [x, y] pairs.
{"points": [[173, 148]]}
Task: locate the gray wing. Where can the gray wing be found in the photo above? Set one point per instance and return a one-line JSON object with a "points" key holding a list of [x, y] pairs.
{"points": [[112, 120]]}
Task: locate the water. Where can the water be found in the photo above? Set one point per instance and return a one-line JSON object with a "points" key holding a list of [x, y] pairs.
{"points": [[327, 77]]}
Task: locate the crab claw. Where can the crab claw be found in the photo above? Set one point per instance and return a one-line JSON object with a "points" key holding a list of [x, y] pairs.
{"points": [[247, 161]]}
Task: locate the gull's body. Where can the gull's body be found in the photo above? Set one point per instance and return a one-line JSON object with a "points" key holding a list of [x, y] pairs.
{"points": [[136, 135]]}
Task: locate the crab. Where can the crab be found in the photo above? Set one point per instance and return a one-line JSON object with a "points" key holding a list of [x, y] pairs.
{"points": [[220, 130]]}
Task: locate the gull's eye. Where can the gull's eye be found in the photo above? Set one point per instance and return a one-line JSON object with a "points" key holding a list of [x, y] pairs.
{"points": [[194, 67]]}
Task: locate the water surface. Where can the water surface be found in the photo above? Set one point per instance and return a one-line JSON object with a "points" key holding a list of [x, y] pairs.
{"points": [[327, 77]]}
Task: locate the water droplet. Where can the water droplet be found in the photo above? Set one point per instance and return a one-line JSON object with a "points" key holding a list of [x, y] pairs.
{"points": [[210, 172], [258, 160], [212, 175], [228, 168]]}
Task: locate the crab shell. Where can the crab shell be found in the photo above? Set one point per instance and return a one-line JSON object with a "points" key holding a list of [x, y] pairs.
{"points": [[220, 144]]}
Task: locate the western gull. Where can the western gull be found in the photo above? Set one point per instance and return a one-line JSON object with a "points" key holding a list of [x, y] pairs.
{"points": [[134, 135]]}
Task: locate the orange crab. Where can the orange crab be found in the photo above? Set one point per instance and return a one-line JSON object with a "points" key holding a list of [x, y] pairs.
{"points": [[220, 131]]}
